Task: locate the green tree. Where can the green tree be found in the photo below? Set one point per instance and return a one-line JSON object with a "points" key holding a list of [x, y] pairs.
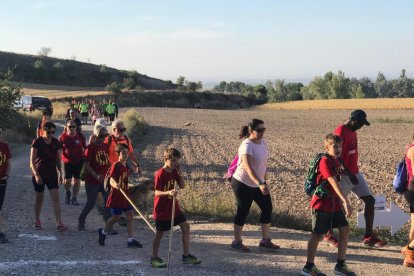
{"points": [[338, 85], [382, 86], [199, 85], [115, 89], [45, 51], [191, 86], [9, 94], [39, 71]]}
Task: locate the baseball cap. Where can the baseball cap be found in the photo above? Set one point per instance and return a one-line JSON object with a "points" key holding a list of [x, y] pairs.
{"points": [[360, 116]]}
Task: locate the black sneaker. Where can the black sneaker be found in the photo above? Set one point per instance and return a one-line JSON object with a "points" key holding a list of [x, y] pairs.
{"points": [[74, 201], [67, 199], [190, 259], [134, 243], [81, 227], [343, 270], [3, 238], [101, 236]]}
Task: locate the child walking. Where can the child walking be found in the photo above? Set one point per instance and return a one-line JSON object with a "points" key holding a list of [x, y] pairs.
{"points": [[165, 180], [5, 166], [116, 201], [327, 211]]}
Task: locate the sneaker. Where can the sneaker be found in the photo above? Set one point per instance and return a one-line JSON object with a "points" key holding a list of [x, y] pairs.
{"points": [[3, 238], [81, 227], [190, 259], [373, 241], [314, 271], [344, 271], [37, 225], [134, 243], [268, 244], [331, 240], [61, 227], [74, 201], [100, 210], [67, 199], [101, 237], [239, 246], [157, 262]]}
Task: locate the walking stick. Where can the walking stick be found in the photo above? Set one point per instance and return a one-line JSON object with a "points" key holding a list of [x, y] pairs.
{"points": [[136, 209], [171, 230]]}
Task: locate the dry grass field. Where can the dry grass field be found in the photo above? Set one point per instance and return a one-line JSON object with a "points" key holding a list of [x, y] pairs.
{"points": [[401, 103], [56, 92], [294, 137]]}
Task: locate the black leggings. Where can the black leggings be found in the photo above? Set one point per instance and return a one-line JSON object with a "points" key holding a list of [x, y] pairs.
{"points": [[3, 185], [409, 197], [91, 194], [245, 196]]}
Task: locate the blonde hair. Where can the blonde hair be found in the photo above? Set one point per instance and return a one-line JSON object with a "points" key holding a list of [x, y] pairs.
{"points": [[332, 139], [171, 152]]}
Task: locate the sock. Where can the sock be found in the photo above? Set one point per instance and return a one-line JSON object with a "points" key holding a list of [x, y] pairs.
{"points": [[309, 265], [130, 239], [340, 263], [410, 248], [103, 232]]}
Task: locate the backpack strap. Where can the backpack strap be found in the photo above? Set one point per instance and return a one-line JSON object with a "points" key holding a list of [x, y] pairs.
{"points": [[112, 138]]}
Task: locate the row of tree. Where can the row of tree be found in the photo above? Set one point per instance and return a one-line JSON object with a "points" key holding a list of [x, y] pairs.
{"points": [[329, 86]]}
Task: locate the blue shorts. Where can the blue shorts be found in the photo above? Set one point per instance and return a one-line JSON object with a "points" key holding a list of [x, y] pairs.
{"points": [[118, 211]]}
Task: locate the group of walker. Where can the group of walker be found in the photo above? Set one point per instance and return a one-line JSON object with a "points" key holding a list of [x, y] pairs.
{"points": [[112, 156], [106, 109]]}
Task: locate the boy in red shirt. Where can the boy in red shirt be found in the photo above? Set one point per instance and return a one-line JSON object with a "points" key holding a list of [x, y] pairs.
{"points": [[4, 176], [165, 180], [116, 201], [327, 210]]}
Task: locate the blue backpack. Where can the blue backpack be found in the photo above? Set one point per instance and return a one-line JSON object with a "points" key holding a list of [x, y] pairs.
{"points": [[401, 177]]}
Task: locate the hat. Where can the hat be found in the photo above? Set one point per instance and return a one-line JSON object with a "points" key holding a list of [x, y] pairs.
{"points": [[360, 116]]}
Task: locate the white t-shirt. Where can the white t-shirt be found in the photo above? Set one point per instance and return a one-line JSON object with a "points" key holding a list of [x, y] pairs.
{"points": [[259, 155]]}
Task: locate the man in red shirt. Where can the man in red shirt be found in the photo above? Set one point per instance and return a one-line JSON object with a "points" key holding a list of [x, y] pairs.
{"points": [[5, 165], [353, 181]]}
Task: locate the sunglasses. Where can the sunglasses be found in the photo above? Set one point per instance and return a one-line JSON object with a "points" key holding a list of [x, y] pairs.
{"points": [[50, 132], [121, 129], [71, 127], [260, 130], [102, 136]]}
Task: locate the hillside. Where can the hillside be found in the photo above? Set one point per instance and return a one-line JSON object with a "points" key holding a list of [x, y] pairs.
{"points": [[55, 71]]}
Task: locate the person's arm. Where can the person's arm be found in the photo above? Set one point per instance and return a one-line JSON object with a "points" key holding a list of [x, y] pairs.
{"points": [[160, 193], [410, 155], [335, 185], [59, 164], [180, 181], [33, 156]]}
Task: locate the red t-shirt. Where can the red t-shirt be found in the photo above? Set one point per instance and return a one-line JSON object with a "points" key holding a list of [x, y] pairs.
{"points": [[47, 158], [116, 199], [113, 156], [349, 154], [164, 181], [98, 159], [72, 148], [327, 167], [4, 156]]}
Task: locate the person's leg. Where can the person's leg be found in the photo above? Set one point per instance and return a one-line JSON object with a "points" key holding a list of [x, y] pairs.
{"points": [[106, 211], [313, 247], [38, 205], [91, 193], [244, 199], [156, 243], [265, 204], [54, 196], [343, 242], [3, 185], [363, 192], [110, 223], [130, 223], [185, 237], [67, 181], [76, 189]]}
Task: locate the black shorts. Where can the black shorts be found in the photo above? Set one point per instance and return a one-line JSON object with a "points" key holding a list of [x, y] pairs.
{"points": [[111, 116], [3, 185], [165, 225], [84, 114], [50, 183], [72, 171], [409, 197], [105, 114], [323, 221]]}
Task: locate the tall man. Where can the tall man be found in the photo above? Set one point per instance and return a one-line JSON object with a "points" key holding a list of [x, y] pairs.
{"points": [[353, 181]]}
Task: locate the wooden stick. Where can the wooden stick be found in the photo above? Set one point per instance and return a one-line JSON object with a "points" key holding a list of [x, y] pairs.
{"points": [[171, 230], [136, 209]]}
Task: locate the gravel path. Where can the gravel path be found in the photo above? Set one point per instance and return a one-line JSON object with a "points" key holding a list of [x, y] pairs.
{"points": [[47, 252]]}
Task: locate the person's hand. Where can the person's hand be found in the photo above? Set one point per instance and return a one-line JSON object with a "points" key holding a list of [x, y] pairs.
{"points": [[354, 179], [100, 178], [38, 179], [60, 178], [139, 170], [264, 189], [347, 209], [173, 192]]}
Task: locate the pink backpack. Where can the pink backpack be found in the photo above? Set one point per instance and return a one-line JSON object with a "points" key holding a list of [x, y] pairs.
{"points": [[232, 168]]}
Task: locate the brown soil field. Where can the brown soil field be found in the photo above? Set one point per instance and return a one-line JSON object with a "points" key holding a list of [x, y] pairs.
{"points": [[59, 91]]}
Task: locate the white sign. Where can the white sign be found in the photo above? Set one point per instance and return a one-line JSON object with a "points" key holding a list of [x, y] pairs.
{"points": [[393, 217], [380, 203]]}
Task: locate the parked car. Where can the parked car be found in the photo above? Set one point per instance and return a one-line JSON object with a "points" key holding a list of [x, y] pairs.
{"points": [[31, 103]]}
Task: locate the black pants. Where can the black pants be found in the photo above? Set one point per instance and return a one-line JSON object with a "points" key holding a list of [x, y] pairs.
{"points": [[245, 196], [91, 194], [3, 185]]}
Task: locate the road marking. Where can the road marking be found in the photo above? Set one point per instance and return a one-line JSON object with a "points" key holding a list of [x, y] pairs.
{"points": [[37, 237], [22, 263]]}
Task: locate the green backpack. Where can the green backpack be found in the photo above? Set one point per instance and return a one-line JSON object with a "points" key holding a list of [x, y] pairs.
{"points": [[311, 186]]}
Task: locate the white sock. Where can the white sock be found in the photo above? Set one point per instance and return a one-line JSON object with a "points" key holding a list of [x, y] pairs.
{"points": [[103, 232], [131, 239]]}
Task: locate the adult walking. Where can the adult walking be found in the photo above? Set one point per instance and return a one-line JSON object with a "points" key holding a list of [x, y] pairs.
{"points": [[408, 250], [96, 166], [5, 166], [353, 181], [73, 147], [45, 163], [249, 184]]}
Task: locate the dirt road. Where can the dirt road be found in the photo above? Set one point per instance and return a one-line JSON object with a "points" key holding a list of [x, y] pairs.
{"points": [[47, 252]]}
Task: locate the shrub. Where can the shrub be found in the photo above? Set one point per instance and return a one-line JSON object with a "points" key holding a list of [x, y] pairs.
{"points": [[9, 94], [24, 125], [134, 123]]}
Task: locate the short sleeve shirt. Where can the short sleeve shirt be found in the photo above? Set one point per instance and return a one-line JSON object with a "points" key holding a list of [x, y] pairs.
{"points": [[259, 155], [116, 199], [47, 159], [5, 155], [113, 156], [349, 154], [72, 148], [328, 167], [98, 159], [165, 181]]}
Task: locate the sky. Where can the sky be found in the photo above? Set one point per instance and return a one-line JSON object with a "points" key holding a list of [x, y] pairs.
{"points": [[219, 40]]}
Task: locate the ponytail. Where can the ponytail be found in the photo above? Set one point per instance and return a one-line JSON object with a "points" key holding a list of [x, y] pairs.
{"points": [[245, 131]]}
